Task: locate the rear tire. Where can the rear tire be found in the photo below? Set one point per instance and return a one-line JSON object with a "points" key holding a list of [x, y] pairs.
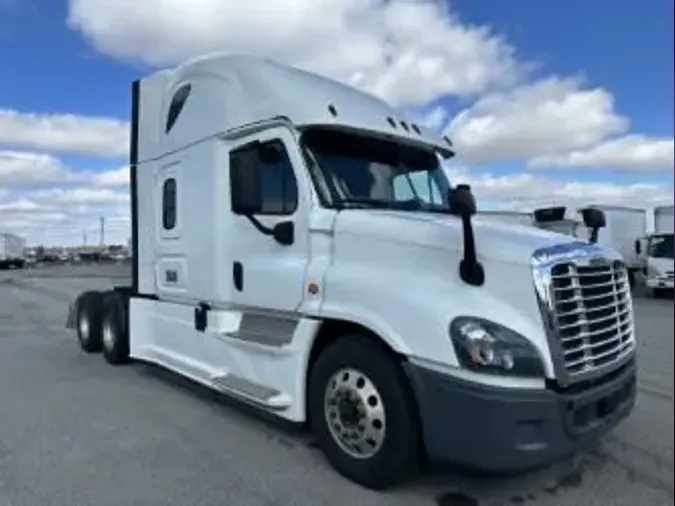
{"points": [[88, 321], [115, 334], [364, 392]]}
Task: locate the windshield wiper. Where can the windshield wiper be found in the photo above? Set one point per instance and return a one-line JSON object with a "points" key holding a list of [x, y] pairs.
{"points": [[368, 202], [398, 205]]}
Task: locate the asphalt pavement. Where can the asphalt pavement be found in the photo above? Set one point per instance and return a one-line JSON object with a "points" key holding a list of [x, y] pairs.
{"points": [[75, 431]]}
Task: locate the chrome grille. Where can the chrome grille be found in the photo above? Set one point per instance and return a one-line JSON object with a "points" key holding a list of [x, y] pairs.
{"points": [[592, 313]]}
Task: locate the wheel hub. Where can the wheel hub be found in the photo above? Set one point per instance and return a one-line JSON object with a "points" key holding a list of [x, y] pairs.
{"points": [[350, 408], [354, 413]]}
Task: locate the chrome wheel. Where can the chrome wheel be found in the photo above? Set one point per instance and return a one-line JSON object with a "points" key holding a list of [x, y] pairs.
{"points": [[355, 413], [108, 336]]}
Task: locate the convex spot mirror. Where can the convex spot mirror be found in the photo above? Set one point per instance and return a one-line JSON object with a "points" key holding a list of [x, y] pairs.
{"points": [[461, 200]]}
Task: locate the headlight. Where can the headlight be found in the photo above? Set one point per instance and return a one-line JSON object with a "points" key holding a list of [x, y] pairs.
{"points": [[487, 347]]}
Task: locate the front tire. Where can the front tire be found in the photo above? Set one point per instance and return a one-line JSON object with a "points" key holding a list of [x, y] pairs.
{"points": [[115, 334], [363, 414]]}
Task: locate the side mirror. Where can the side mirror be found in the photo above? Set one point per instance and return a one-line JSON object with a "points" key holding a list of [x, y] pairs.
{"points": [[593, 218], [245, 185], [461, 200], [638, 247], [284, 233]]}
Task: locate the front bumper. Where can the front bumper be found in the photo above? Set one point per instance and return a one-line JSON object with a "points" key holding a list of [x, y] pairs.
{"points": [[505, 430]]}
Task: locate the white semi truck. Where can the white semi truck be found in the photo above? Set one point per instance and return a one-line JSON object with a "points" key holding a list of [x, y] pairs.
{"points": [[655, 253], [12, 252], [297, 245]]}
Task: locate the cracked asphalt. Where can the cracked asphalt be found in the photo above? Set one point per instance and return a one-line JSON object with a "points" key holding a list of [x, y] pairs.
{"points": [[74, 431]]}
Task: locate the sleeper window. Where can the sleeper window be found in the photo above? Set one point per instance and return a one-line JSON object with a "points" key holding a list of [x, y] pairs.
{"points": [[279, 187], [169, 204]]}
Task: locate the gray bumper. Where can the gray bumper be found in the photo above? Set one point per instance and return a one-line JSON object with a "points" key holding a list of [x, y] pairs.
{"points": [[505, 431]]}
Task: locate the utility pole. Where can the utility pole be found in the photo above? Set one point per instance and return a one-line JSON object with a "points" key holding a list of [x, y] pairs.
{"points": [[102, 219]]}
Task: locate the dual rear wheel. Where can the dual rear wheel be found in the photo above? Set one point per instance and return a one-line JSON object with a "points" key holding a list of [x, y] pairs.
{"points": [[101, 325]]}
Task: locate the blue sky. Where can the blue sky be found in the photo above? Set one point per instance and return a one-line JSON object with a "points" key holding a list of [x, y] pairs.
{"points": [[609, 67]]}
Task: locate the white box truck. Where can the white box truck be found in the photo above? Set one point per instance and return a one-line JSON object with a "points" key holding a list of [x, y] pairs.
{"points": [[298, 246], [12, 253], [624, 225], [655, 253]]}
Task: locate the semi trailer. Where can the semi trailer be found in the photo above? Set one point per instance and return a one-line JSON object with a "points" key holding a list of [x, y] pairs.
{"points": [[296, 245], [12, 252]]}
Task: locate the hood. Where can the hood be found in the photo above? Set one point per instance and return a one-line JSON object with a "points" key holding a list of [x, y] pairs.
{"points": [[503, 242]]}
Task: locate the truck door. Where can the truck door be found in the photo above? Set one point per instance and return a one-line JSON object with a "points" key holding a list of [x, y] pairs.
{"points": [[268, 275]]}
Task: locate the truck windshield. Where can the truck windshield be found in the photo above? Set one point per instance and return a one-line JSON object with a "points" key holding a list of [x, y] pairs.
{"points": [[353, 170], [661, 246]]}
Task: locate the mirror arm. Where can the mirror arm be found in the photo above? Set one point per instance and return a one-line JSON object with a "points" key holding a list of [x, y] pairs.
{"points": [[593, 235], [259, 226], [470, 269]]}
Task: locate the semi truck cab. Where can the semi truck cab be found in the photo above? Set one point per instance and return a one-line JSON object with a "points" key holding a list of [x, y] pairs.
{"points": [[297, 245]]}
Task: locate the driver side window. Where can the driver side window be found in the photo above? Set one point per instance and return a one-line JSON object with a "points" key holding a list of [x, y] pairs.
{"points": [[411, 185], [279, 186]]}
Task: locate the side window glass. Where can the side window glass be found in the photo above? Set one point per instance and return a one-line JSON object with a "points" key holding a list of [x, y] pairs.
{"points": [[176, 106], [169, 204], [279, 186]]}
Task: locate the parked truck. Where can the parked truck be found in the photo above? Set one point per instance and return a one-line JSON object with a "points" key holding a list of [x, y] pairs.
{"points": [[12, 249], [655, 253], [298, 246]]}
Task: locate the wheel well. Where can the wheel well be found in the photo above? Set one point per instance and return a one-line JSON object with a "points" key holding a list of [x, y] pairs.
{"points": [[332, 330]]}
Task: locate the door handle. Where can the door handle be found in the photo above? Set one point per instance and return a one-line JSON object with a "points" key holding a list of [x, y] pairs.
{"points": [[238, 276]]}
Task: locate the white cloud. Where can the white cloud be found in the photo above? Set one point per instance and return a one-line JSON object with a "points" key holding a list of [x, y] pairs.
{"points": [[33, 169], [68, 133], [65, 216], [436, 118], [116, 178], [631, 152], [25, 169], [546, 117], [407, 51], [530, 190]]}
